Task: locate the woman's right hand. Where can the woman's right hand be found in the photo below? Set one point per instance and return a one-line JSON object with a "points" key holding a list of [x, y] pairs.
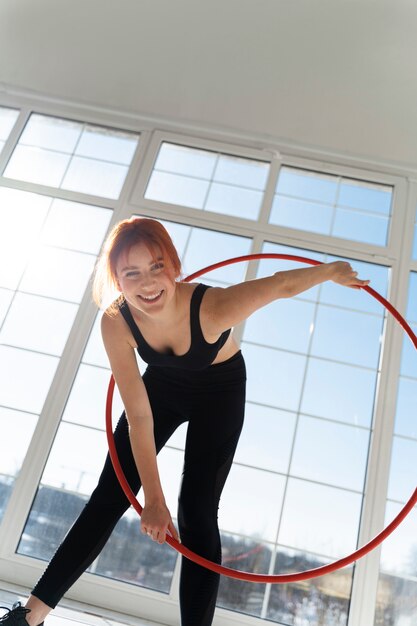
{"points": [[156, 521]]}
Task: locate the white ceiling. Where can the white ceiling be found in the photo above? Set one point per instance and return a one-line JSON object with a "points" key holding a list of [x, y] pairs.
{"points": [[340, 75]]}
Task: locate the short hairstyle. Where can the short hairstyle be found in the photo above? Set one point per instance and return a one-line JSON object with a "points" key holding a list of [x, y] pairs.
{"points": [[121, 239]]}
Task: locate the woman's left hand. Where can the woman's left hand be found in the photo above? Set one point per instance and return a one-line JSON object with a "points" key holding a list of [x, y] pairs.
{"points": [[344, 274]]}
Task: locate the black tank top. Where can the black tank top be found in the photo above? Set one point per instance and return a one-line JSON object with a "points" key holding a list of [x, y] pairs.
{"points": [[201, 353]]}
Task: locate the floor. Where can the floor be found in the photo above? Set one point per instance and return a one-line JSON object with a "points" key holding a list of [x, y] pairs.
{"points": [[72, 614]]}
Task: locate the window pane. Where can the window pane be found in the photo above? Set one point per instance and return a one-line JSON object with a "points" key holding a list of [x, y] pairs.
{"points": [[335, 401], [322, 601], [330, 453], [396, 601], [294, 212], [71, 155], [46, 328], [403, 460], [405, 422], [274, 377], [332, 205], [26, 378], [95, 177], [347, 336], [285, 324], [58, 273], [271, 452], [208, 181], [264, 491], [332, 514], [248, 555], [16, 428], [75, 226]]}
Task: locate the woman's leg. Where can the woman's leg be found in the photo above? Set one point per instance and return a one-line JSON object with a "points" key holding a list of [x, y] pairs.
{"points": [[213, 434], [95, 524]]}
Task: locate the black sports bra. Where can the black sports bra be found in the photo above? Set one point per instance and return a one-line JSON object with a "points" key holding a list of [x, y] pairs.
{"points": [[201, 353]]}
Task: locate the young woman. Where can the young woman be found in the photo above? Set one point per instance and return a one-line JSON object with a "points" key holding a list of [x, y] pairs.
{"points": [[195, 374]]}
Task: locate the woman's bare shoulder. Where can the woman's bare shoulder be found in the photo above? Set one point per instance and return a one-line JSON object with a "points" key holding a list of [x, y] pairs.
{"points": [[115, 329]]}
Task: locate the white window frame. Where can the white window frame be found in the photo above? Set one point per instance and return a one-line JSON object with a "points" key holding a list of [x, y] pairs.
{"points": [[396, 255]]}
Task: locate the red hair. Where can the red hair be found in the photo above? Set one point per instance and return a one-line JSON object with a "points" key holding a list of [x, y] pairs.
{"points": [[122, 238]]}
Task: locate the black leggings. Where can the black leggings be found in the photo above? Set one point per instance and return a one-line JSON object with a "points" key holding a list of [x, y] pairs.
{"points": [[212, 401]]}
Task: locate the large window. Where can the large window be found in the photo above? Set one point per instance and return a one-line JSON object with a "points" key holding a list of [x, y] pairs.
{"points": [[301, 490]]}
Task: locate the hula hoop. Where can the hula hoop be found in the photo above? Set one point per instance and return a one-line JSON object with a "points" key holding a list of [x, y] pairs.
{"points": [[238, 574]]}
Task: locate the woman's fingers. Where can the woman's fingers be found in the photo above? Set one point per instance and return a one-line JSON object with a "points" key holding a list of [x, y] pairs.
{"points": [[173, 532]]}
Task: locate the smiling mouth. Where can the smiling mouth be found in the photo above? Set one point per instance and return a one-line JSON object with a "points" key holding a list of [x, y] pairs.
{"points": [[152, 298]]}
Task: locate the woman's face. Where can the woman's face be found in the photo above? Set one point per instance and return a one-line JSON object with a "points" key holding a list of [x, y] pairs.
{"points": [[146, 283]]}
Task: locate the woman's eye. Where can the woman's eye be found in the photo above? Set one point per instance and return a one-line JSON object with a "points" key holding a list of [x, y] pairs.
{"points": [[157, 266], [132, 274]]}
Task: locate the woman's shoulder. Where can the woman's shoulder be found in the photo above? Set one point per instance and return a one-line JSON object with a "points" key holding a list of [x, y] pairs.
{"points": [[114, 327]]}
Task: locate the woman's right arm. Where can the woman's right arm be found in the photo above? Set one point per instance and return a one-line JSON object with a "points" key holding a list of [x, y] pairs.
{"points": [[155, 518]]}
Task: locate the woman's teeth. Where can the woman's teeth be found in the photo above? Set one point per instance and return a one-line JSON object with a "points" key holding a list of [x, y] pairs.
{"points": [[150, 298]]}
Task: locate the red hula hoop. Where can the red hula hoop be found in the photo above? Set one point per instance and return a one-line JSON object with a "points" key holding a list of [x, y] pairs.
{"points": [[238, 574]]}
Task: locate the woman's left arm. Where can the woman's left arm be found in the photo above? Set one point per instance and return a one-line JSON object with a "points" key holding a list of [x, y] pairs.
{"points": [[225, 308]]}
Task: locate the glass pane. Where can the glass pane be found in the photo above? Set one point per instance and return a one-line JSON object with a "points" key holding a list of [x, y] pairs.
{"points": [[84, 406], [51, 133], [176, 189], [330, 453], [347, 336], [6, 297], [119, 559], [107, 145], [241, 172], [335, 401], [47, 327], [72, 155], [412, 298], [248, 555], [16, 430], [405, 422], [267, 438], [206, 180], [308, 185], [95, 177], [399, 551], [8, 119], [403, 462], [259, 518], [75, 226], [58, 273], [95, 353], [26, 378], [332, 514], [357, 299], [230, 200], [36, 165], [322, 601], [361, 227], [285, 323], [332, 205], [187, 161], [76, 459], [294, 212], [396, 601], [206, 247], [274, 377], [365, 196]]}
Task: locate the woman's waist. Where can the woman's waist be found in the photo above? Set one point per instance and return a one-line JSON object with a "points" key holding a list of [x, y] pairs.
{"points": [[231, 370]]}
